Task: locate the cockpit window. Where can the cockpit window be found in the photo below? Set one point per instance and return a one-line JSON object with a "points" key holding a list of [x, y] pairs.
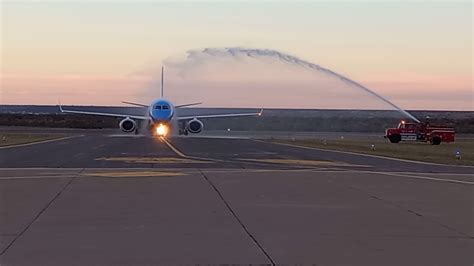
{"points": [[166, 107], [157, 107]]}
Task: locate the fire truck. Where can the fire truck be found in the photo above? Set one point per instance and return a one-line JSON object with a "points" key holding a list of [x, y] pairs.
{"points": [[424, 132]]}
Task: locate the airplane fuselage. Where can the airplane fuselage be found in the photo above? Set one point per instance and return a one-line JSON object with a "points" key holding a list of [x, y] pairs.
{"points": [[161, 111]]}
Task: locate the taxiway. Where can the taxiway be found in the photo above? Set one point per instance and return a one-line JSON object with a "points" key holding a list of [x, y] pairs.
{"points": [[108, 199]]}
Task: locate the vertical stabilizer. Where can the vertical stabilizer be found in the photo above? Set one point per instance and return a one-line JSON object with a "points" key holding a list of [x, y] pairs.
{"points": [[162, 76]]}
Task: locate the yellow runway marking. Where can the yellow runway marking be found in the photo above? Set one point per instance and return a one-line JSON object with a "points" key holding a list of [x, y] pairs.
{"points": [[182, 155], [134, 174], [142, 172], [302, 162], [178, 152], [152, 160], [36, 142]]}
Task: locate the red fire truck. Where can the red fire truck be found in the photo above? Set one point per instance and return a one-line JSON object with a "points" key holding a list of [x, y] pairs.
{"points": [[420, 132]]}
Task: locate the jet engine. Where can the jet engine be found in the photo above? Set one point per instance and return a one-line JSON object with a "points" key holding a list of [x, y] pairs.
{"points": [[194, 126], [128, 125]]}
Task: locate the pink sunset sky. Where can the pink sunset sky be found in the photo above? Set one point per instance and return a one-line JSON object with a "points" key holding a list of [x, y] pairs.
{"points": [[417, 54]]}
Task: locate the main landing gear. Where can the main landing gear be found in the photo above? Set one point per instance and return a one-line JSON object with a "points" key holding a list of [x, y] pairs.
{"points": [[183, 132]]}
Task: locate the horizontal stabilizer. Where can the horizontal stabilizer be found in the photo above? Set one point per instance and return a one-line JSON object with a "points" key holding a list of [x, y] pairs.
{"points": [[186, 105]]}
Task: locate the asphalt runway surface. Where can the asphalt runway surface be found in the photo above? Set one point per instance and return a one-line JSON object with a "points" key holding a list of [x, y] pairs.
{"points": [[106, 199]]}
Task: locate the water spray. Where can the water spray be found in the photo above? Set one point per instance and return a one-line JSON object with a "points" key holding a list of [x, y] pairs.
{"points": [[289, 59]]}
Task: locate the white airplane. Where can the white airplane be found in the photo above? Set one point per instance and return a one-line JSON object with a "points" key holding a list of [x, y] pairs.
{"points": [[160, 117]]}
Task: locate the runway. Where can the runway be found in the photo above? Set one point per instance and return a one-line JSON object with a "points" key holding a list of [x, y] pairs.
{"points": [[104, 199]]}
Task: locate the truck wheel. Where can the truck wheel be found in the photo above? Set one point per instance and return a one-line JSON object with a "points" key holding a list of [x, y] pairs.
{"points": [[395, 138], [436, 141]]}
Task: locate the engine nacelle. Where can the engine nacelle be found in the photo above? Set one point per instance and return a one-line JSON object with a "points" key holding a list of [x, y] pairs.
{"points": [[128, 125], [194, 126]]}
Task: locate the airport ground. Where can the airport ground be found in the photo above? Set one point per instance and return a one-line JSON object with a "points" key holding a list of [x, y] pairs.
{"points": [[103, 198], [461, 152]]}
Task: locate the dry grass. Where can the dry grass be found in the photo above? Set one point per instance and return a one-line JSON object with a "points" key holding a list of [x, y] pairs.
{"points": [[444, 153]]}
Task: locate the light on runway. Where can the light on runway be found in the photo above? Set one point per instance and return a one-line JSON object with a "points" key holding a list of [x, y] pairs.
{"points": [[161, 130]]}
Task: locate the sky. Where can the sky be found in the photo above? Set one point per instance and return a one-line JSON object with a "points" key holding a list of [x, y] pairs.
{"points": [[417, 54]]}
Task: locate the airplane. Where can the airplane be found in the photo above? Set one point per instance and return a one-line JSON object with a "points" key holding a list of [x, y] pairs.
{"points": [[160, 116]]}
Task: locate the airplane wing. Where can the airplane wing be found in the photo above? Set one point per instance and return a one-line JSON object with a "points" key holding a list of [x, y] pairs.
{"points": [[103, 114], [220, 115], [136, 104]]}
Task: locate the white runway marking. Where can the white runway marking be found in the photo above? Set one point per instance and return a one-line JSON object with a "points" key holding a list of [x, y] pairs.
{"points": [[128, 136], [36, 177], [212, 137], [417, 177]]}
